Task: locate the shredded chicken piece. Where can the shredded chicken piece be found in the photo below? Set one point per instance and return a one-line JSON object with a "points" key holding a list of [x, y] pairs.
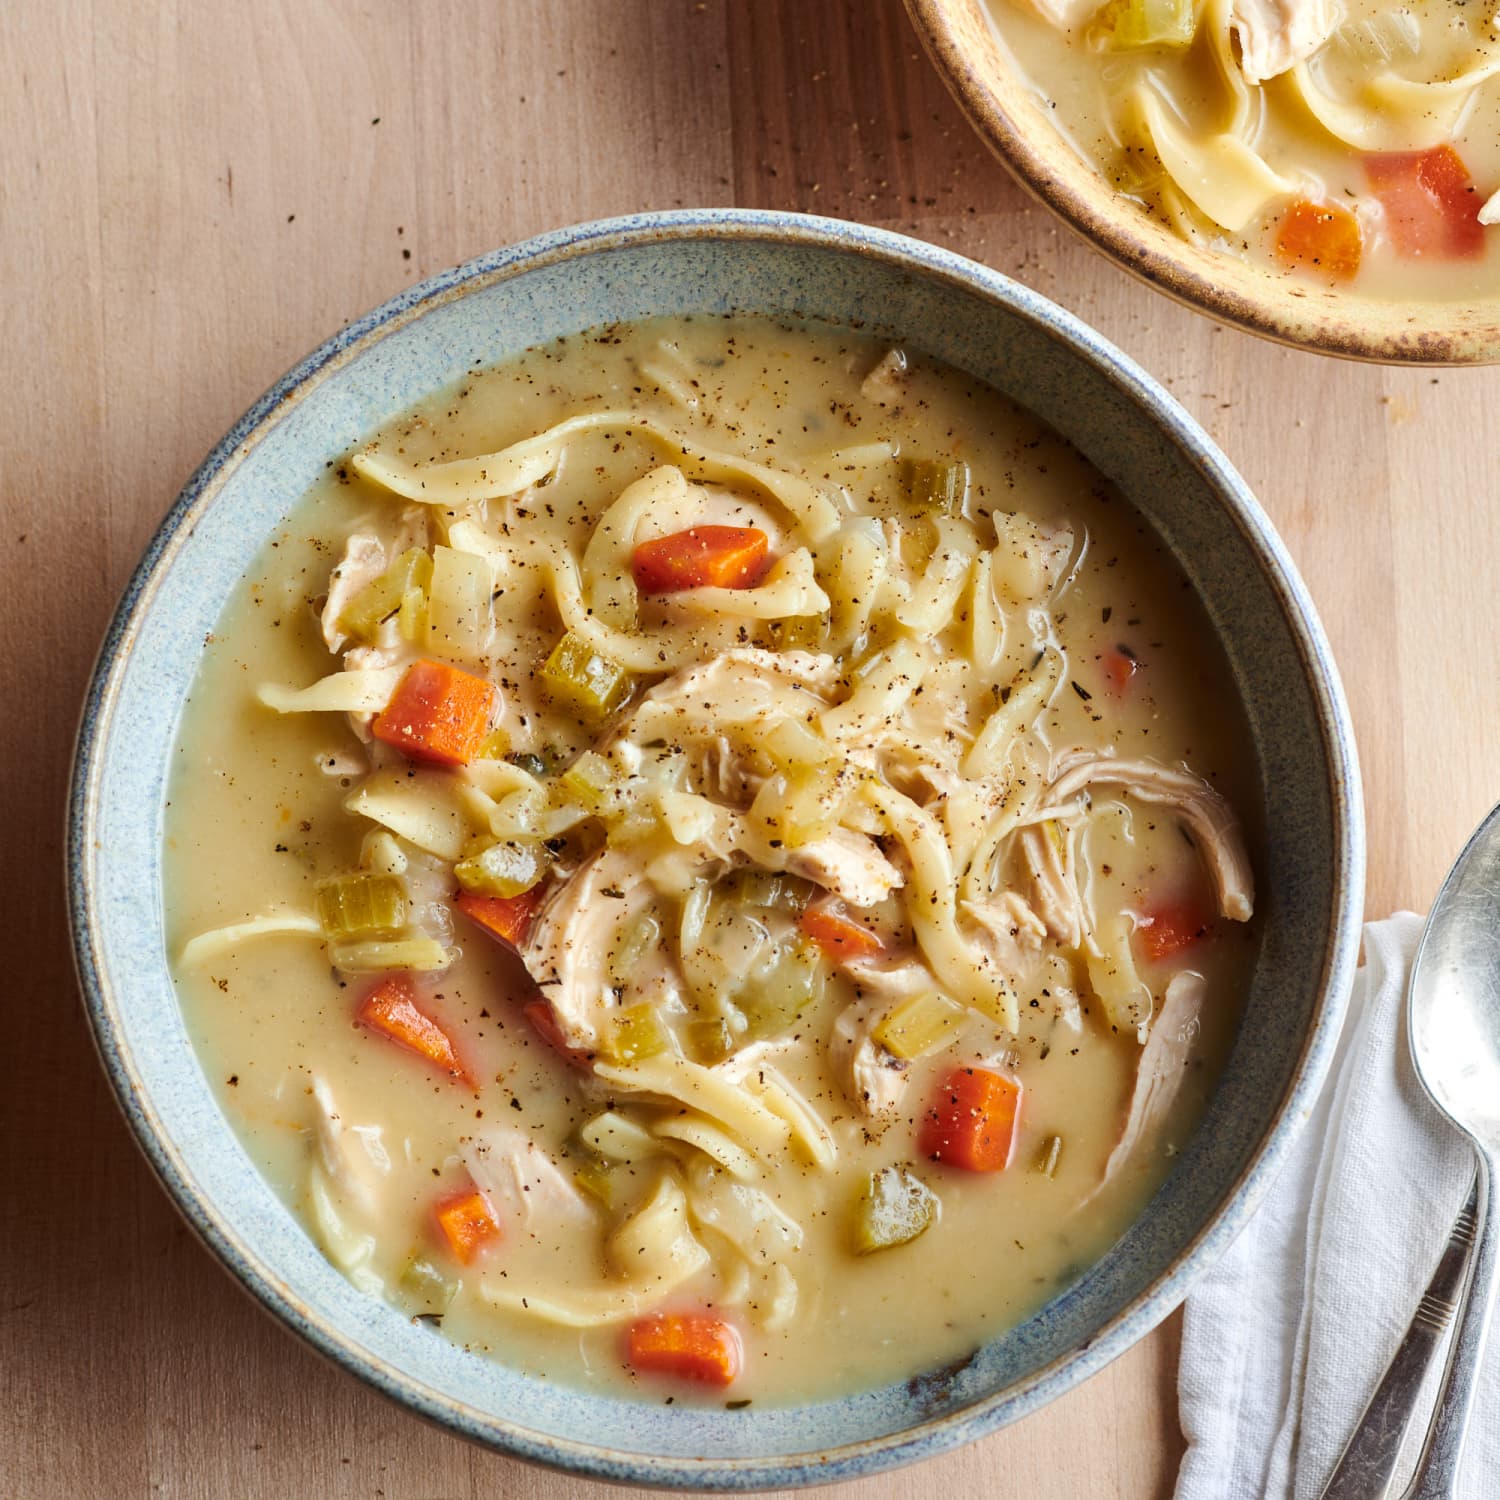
{"points": [[1276, 35], [736, 687], [1490, 212], [1013, 933], [873, 1078], [1055, 894], [1162, 1065], [362, 563], [849, 864], [570, 942], [1204, 813], [886, 383], [521, 1180], [353, 1156]]}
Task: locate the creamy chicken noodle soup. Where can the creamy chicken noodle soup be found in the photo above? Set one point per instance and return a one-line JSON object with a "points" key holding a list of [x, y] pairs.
{"points": [[705, 860], [1351, 141]]}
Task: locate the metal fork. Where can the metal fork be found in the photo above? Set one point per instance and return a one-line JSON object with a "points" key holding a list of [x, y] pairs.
{"points": [[1368, 1463]]}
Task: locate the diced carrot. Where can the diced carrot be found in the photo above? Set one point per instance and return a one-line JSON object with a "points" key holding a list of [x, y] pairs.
{"points": [[507, 918], [687, 1346], [1323, 236], [1170, 927], [437, 714], [543, 1021], [1120, 665], [1431, 204], [468, 1222], [839, 935], [726, 557], [391, 1008], [972, 1121]]}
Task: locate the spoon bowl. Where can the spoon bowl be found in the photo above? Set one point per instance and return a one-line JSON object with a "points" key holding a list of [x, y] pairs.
{"points": [[1453, 1028], [1453, 1004]]}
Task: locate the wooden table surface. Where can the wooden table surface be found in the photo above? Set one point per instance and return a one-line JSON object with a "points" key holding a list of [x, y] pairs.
{"points": [[195, 192]]}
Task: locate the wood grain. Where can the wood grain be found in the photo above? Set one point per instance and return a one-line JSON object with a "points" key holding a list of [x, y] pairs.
{"points": [[191, 196]]}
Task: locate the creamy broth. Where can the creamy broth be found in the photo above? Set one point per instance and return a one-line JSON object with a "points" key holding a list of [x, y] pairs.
{"points": [[362, 1137], [1352, 142]]}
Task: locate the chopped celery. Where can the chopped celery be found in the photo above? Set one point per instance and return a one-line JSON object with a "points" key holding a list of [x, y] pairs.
{"points": [[588, 780], [711, 1039], [773, 999], [575, 676], [597, 1179], [411, 618], [936, 484], [639, 939], [426, 1287], [422, 955], [377, 601], [1149, 23], [496, 746], [503, 869], [894, 1207], [358, 906], [803, 633], [532, 764], [920, 1025], [763, 888], [1048, 1155], [638, 1032]]}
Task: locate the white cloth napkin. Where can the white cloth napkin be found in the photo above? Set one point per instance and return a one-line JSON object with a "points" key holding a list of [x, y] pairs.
{"points": [[1286, 1338]]}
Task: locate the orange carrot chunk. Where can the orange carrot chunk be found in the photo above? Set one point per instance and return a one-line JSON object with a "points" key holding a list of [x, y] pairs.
{"points": [[391, 1009], [1170, 927], [726, 557], [1120, 666], [437, 714], [972, 1121], [468, 1222], [506, 918], [1322, 236], [839, 935], [687, 1346], [1431, 205]]}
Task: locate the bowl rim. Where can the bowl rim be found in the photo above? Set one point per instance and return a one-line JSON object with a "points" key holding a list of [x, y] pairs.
{"points": [[932, 1436], [1435, 333]]}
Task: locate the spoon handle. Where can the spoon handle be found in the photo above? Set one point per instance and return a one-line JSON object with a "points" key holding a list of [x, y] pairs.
{"points": [[1437, 1469], [1369, 1461]]}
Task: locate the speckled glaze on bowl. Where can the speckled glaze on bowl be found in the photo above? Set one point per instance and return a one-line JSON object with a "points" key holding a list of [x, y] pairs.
{"points": [[1008, 113], [719, 261]]}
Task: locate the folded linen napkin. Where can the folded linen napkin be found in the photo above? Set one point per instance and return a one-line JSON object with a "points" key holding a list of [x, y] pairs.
{"points": [[1285, 1340]]}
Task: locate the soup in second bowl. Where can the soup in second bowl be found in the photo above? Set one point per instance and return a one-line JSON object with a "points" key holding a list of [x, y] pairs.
{"points": [[705, 859], [1355, 142]]}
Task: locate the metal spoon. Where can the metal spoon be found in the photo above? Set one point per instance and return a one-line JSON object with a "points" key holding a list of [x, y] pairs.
{"points": [[1453, 1026]]}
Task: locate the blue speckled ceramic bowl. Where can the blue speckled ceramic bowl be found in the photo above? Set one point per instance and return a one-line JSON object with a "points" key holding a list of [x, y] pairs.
{"points": [[718, 261]]}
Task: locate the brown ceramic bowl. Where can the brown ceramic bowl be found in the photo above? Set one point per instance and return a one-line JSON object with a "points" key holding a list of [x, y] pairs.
{"points": [[1007, 112]]}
